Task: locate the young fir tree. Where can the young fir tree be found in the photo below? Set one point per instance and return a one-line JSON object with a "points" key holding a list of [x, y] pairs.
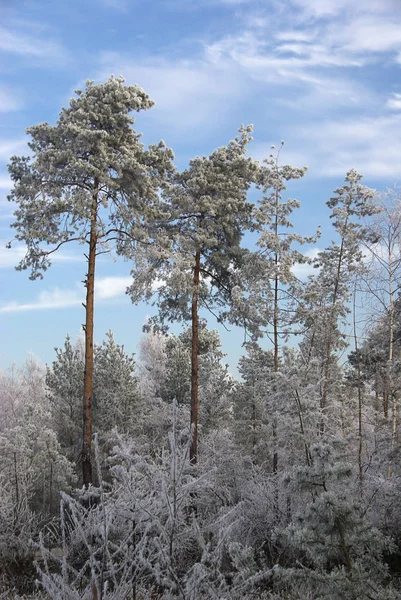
{"points": [[64, 383], [251, 421], [116, 396], [209, 207], [91, 181]]}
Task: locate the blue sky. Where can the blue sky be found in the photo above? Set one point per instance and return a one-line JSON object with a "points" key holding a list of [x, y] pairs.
{"points": [[323, 75]]}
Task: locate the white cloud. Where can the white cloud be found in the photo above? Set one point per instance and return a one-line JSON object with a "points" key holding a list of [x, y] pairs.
{"points": [[105, 289], [10, 147], [25, 44], [370, 35], [298, 73], [322, 9], [370, 145], [9, 102], [47, 300], [110, 287], [5, 182], [10, 257], [295, 36], [187, 93], [303, 270], [303, 58], [394, 103]]}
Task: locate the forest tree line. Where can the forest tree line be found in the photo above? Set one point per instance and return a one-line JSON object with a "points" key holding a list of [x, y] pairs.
{"points": [[163, 476]]}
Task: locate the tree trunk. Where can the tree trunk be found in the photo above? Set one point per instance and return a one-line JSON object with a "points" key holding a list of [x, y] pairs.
{"points": [[360, 395], [301, 425], [193, 453], [390, 384], [89, 359], [385, 404], [275, 334], [331, 327]]}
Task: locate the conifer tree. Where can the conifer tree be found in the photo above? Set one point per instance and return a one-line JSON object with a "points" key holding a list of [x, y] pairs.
{"points": [[250, 414], [91, 181], [276, 242], [64, 383], [270, 288], [327, 293], [208, 203], [115, 389]]}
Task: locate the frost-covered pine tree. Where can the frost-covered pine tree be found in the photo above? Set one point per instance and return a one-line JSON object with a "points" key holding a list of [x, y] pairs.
{"points": [[337, 551], [327, 293], [88, 180], [270, 289], [210, 211], [277, 255]]}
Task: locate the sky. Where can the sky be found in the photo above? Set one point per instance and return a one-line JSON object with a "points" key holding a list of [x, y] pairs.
{"points": [[322, 75]]}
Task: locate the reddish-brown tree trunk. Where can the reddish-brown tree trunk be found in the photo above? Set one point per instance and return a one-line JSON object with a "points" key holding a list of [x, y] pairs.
{"points": [[193, 452], [89, 359], [275, 334]]}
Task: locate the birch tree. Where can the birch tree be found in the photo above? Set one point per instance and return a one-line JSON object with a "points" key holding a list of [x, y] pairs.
{"points": [[88, 180]]}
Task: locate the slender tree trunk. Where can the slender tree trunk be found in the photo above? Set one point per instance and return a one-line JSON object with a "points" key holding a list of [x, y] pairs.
{"points": [[274, 423], [390, 386], [275, 321], [87, 475], [359, 381], [254, 414], [385, 404], [17, 495], [331, 326], [193, 452], [254, 441], [302, 429], [275, 333], [51, 490]]}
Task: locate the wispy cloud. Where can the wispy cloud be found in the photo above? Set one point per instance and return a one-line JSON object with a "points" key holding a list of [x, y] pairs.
{"points": [[10, 147], [10, 257], [323, 9], [110, 287], [188, 93], [46, 301], [9, 102], [5, 182], [303, 270], [25, 42], [105, 289], [372, 145], [394, 103]]}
